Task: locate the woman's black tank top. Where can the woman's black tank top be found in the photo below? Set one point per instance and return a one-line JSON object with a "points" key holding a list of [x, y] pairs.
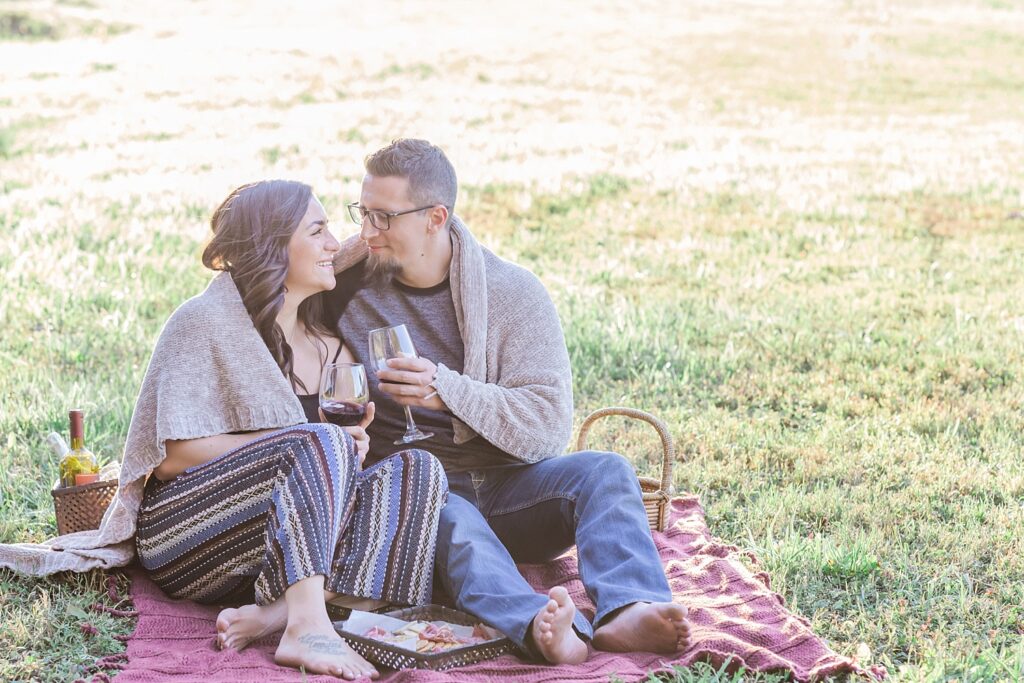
{"points": [[311, 402]]}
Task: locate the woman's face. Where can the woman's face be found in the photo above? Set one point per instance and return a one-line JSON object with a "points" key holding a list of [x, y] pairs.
{"points": [[310, 252]]}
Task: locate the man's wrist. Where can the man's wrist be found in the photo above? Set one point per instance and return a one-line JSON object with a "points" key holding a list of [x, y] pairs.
{"points": [[431, 386], [441, 384]]}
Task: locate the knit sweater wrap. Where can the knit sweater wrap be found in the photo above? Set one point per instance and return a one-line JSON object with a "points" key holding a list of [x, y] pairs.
{"points": [[210, 374], [515, 389]]}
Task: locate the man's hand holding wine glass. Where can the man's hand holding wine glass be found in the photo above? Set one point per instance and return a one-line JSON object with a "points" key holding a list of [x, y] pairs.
{"points": [[408, 382], [391, 344]]}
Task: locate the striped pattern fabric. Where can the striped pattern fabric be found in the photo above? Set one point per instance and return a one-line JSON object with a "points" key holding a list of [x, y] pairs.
{"points": [[293, 504]]}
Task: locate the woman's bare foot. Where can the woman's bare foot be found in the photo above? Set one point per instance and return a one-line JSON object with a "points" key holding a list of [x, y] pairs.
{"points": [[317, 648], [553, 633], [645, 627], [236, 628]]}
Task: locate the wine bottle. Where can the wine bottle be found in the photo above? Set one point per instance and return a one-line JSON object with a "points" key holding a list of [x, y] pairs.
{"points": [[79, 466]]}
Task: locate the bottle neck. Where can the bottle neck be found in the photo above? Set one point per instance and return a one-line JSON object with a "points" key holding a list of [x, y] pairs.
{"points": [[77, 429]]}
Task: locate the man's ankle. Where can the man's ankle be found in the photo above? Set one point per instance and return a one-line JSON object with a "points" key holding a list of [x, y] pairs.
{"points": [[614, 614]]}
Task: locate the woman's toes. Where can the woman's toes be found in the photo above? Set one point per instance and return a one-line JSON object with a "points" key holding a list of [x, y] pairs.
{"points": [[224, 618]]}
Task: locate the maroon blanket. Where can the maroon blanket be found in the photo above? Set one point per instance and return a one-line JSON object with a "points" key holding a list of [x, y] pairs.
{"points": [[733, 613]]}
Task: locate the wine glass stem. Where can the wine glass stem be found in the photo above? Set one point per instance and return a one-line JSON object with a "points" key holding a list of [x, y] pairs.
{"points": [[410, 426]]}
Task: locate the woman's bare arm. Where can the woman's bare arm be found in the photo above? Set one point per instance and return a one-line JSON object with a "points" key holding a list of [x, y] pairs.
{"points": [[184, 454]]}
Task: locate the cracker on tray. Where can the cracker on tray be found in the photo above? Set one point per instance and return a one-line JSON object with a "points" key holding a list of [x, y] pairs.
{"points": [[427, 636]]}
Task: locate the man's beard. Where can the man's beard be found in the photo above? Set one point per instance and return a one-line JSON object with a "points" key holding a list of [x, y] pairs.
{"points": [[381, 270]]}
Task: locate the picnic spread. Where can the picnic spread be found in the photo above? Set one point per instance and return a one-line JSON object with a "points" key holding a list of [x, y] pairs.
{"points": [[736, 620]]}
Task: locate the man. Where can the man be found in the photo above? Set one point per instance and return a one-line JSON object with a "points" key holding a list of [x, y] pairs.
{"points": [[493, 384]]}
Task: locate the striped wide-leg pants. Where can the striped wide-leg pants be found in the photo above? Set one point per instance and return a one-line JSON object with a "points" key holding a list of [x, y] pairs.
{"points": [[291, 505]]}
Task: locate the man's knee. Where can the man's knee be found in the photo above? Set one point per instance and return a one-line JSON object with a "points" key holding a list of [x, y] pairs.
{"points": [[610, 470], [459, 521]]}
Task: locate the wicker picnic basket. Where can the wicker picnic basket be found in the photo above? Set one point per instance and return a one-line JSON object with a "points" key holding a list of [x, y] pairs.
{"points": [[394, 657], [655, 492], [80, 508]]}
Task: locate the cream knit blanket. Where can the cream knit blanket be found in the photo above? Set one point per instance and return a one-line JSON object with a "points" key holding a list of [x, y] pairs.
{"points": [[515, 388], [210, 374]]}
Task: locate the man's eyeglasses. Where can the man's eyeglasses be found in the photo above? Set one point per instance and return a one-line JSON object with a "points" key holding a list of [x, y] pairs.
{"points": [[381, 220]]}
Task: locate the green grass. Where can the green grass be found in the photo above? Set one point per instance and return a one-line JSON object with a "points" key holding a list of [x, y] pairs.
{"points": [[271, 155], [418, 71], [52, 25], [829, 320], [66, 635], [13, 135], [852, 415], [24, 26]]}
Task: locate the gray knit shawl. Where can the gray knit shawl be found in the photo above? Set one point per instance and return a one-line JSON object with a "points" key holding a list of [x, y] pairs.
{"points": [[515, 388], [210, 373]]}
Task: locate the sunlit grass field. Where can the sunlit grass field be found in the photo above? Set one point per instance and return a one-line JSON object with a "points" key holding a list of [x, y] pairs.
{"points": [[794, 232]]}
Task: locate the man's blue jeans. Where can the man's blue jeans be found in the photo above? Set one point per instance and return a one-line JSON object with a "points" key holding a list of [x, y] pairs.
{"points": [[498, 516]]}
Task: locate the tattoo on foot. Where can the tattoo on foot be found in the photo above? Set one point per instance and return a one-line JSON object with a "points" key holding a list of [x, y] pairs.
{"points": [[323, 644]]}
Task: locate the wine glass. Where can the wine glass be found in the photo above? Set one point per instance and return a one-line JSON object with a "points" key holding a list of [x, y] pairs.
{"points": [[395, 342], [344, 392]]}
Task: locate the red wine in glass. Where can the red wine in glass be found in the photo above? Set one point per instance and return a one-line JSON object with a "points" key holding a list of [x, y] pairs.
{"points": [[343, 413], [344, 393]]}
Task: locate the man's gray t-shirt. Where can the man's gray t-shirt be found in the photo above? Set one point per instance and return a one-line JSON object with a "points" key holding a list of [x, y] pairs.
{"points": [[429, 315]]}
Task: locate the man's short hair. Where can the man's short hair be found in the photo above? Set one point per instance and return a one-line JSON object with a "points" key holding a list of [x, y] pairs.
{"points": [[431, 176]]}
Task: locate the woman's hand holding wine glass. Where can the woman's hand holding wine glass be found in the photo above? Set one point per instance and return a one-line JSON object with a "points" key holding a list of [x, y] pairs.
{"points": [[344, 401]]}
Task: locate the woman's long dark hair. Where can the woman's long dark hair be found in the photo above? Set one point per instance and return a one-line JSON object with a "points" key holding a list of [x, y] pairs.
{"points": [[251, 231]]}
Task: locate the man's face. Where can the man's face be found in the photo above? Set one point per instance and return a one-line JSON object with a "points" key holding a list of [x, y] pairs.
{"points": [[395, 249]]}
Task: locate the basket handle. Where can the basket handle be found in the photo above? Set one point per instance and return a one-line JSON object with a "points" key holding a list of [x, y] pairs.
{"points": [[667, 445]]}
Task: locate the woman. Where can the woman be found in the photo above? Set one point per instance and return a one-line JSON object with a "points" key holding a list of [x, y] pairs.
{"points": [[240, 508]]}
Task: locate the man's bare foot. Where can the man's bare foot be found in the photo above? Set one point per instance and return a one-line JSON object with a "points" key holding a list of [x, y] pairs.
{"points": [[645, 627], [236, 628], [318, 649], [553, 633]]}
